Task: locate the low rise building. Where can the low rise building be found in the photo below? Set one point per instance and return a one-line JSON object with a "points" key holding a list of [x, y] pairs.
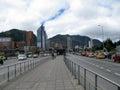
{"points": [[6, 43]]}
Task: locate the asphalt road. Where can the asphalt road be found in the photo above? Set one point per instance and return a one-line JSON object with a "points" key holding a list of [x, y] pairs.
{"points": [[10, 61], [106, 69]]}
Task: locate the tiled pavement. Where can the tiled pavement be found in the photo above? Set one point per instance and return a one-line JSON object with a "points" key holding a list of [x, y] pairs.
{"points": [[51, 75]]}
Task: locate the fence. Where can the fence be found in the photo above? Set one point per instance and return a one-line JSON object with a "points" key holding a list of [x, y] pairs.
{"points": [[89, 79], [12, 71]]}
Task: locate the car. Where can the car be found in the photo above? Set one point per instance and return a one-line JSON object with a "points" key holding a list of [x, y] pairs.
{"points": [[100, 56], [30, 56], [84, 54], [35, 55], [22, 57], [91, 55], [116, 58]]}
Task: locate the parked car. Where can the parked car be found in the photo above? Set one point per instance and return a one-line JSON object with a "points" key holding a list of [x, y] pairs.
{"points": [[84, 54], [116, 58], [91, 55], [22, 57], [100, 56], [30, 56], [35, 55]]}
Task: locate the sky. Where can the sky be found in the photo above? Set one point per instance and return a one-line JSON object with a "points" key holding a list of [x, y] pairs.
{"points": [[98, 19]]}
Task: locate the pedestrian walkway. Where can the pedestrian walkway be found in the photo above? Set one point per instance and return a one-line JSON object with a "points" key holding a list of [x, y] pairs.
{"points": [[51, 75]]}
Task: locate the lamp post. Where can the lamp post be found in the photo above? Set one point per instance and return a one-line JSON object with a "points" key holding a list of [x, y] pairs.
{"points": [[102, 34]]}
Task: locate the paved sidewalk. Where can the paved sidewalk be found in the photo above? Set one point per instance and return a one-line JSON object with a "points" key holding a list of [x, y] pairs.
{"points": [[51, 75]]}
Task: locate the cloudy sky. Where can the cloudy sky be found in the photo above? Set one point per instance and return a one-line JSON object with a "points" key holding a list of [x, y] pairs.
{"points": [[75, 17]]}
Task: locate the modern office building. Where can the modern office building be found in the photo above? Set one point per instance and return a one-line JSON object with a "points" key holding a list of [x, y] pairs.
{"points": [[91, 43], [41, 38], [69, 43]]}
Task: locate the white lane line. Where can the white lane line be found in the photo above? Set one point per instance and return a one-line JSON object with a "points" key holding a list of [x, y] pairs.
{"points": [[118, 74], [108, 70]]}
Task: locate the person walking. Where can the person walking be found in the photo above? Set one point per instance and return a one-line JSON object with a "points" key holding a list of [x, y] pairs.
{"points": [[53, 56], [1, 60]]}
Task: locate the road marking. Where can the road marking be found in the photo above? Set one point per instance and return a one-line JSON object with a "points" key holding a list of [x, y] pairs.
{"points": [[117, 74], [108, 70]]}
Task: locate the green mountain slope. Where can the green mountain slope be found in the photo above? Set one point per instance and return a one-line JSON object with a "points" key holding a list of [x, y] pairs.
{"points": [[76, 40]]}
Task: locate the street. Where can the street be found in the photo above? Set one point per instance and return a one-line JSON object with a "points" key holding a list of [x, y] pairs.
{"points": [[109, 70]]}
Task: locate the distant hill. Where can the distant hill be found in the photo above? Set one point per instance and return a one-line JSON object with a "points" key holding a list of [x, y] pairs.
{"points": [[17, 35], [76, 40], [20, 35]]}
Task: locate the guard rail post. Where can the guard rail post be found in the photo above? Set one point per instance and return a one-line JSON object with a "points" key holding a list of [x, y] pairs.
{"points": [[28, 65], [20, 69], [15, 70], [72, 68], [118, 88], [78, 74], [8, 73], [95, 82], [75, 71], [84, 79]]}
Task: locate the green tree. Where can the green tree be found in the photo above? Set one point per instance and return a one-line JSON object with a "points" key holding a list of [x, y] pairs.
{"points": [[109, 45]]}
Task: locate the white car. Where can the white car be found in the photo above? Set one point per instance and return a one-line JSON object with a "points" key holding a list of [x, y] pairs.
{"points": [[22, 57]]}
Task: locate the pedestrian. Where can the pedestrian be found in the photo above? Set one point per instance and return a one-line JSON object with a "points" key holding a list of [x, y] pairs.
{"points": [[53, 56], [1, 60]]}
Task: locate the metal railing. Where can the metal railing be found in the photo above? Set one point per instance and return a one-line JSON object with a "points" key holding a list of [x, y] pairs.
{"points": [[10, 72], [89, 79]]}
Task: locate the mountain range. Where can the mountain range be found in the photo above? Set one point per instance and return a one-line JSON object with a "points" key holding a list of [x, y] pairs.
{"points": [[76, 40], [20, 35]]}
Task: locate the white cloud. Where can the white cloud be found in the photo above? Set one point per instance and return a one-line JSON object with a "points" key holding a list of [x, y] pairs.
{"points": [[80, 16]]}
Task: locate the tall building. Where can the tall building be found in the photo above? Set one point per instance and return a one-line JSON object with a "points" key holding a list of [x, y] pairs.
{"points": [[41, 38], [91, 43], [69, 43]]}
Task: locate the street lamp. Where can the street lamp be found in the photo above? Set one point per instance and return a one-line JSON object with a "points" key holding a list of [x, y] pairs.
{"points": [[102, 34]]}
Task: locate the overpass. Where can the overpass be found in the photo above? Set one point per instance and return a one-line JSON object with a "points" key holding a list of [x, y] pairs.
{"points": [[63, 73], [44, 74]]}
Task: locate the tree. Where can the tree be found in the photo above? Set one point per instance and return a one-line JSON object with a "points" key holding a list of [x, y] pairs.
{"points": [[109, 45], [118, 43]]}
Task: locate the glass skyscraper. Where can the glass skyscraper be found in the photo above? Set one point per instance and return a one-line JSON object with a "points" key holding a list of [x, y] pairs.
{"points": [[41, 38]]}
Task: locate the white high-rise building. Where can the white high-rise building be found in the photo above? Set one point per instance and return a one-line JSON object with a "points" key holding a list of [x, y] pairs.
{"points": [[41, 38], [91, 43], [69, 43]]}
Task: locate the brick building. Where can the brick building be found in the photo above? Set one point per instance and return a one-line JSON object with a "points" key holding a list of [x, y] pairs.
{"points": [[29, 38]]}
